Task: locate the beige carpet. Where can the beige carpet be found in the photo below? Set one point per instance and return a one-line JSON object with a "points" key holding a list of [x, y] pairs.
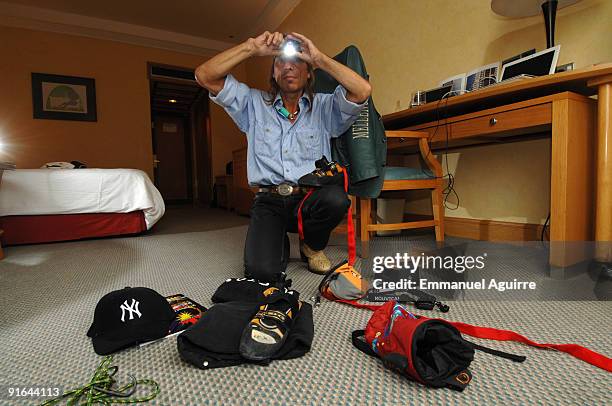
{"points": [[48, 294]]}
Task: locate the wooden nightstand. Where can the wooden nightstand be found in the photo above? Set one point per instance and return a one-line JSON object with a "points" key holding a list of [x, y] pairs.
{"points": [[225, 191], [242, 198]]}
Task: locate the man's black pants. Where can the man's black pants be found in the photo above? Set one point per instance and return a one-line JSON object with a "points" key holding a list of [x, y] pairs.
{"points": [[266, 251]]}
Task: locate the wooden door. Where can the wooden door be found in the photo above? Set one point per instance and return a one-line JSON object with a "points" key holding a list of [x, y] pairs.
{"points": [[172, 158]]}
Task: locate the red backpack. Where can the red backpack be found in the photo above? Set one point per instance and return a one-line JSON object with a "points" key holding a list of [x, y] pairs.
{"points": [[433, 351], [429, 351]]}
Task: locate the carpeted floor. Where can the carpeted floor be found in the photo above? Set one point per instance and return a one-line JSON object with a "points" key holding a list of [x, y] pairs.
{"points": [[48, 294]]}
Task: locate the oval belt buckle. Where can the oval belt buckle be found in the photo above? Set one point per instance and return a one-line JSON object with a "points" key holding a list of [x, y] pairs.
{"points": [[284, 189]]}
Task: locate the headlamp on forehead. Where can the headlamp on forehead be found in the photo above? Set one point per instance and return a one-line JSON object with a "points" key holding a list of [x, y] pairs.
{"points": [[290, 48]]}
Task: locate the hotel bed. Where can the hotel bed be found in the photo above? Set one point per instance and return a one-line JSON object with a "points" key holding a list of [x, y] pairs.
{"points": [[45, 205]]}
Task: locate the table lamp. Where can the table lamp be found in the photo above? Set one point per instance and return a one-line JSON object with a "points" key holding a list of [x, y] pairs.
{"points": [[528, 8]]}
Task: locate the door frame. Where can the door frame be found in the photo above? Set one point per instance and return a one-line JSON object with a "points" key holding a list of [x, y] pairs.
{"points": [[202, 150], [198, 140]]}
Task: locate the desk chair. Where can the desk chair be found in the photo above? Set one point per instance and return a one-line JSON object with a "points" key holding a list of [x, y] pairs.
{"points": [[403, 178]]}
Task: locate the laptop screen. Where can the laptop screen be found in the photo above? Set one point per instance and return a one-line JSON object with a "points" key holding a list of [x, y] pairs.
{"points": [[536, 65]]}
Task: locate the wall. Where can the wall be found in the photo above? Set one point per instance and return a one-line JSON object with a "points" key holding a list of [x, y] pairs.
{"points": [[122, 135], [412, 45], [226, 136]]}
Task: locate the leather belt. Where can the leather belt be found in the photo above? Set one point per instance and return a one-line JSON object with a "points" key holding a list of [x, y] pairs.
{"points": [[284, 189]]}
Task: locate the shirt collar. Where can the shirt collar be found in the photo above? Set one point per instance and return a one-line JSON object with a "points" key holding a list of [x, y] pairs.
{"points": [[279, 101]]}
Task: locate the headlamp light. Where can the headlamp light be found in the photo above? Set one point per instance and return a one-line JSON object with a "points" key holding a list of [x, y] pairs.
{"points": [[291, 48]]}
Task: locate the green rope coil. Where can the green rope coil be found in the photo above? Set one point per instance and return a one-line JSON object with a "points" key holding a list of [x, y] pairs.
{"points": [[102, 382]]}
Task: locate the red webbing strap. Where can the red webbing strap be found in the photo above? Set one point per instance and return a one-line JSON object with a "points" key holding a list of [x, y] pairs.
{"points": [[350, 228], [299, 215], [575, 350]]}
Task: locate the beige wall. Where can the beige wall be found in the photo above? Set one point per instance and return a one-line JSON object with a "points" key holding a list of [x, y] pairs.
{"points": [[412, 44], [121, 138], [226, 136]]}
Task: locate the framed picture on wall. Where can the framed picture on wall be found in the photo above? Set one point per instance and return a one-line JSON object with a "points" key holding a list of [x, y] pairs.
{"points": [[57, 97]]}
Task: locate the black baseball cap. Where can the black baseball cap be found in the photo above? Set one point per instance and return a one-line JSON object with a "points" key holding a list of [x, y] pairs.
{"points": [[127, 317]]}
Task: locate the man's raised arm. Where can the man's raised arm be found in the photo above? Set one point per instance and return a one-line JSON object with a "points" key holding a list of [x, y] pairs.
{"points": [[358, 89], [211, 74]]}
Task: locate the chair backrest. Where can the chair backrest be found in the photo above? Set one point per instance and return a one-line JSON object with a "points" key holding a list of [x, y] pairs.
{"points": [[362, 148]]}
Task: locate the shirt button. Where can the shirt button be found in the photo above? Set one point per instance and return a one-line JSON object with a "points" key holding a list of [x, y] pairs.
{"points": [[286, 151]]}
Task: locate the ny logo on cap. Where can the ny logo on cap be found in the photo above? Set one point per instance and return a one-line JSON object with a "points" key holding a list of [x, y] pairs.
{"points": [[132, 308]]}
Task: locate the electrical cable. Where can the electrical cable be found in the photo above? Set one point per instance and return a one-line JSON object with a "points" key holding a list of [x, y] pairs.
{"points": [[544, 227], [450, 187]]}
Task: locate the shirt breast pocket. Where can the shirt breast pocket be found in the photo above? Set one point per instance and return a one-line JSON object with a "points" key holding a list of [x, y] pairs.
{"points": [[309, 141], [266, 141]]}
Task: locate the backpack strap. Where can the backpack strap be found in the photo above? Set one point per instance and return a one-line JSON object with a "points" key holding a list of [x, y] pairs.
{"points": [[497, 353], [580, 352], [358, 339]]}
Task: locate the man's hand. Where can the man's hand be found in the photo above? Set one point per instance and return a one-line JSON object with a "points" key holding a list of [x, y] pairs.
{"points": [[211, 74], [310, 53], [266, 44], [358, 89]]}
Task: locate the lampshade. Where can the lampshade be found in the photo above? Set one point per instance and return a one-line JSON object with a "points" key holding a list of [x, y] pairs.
{"points": [[523, 8]]}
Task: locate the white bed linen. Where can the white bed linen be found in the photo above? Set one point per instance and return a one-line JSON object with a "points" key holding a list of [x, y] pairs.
{"points": [[69, 191]]}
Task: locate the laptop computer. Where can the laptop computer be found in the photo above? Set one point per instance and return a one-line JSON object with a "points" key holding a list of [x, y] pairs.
{"points": [[539, 64]]}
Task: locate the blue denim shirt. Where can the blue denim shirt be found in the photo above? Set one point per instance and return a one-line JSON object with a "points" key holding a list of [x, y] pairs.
{"points": [[278, 150]]}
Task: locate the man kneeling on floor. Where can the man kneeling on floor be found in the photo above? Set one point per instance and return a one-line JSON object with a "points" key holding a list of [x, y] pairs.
{"points": [[288, 128]]}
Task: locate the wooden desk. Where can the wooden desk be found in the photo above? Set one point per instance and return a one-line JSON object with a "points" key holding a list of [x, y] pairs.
{"points": [[581, 128]]}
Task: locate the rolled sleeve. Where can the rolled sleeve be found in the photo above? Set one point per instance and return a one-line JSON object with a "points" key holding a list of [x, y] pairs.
{"points": [[344, 111], [346, 106], [234, 98]]}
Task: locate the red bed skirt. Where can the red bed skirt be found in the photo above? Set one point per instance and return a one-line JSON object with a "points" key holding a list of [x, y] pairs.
{"points": [[66, 227]]}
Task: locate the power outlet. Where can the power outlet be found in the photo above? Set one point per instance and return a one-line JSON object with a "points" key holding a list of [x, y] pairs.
{"points": [[565, 68]]}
